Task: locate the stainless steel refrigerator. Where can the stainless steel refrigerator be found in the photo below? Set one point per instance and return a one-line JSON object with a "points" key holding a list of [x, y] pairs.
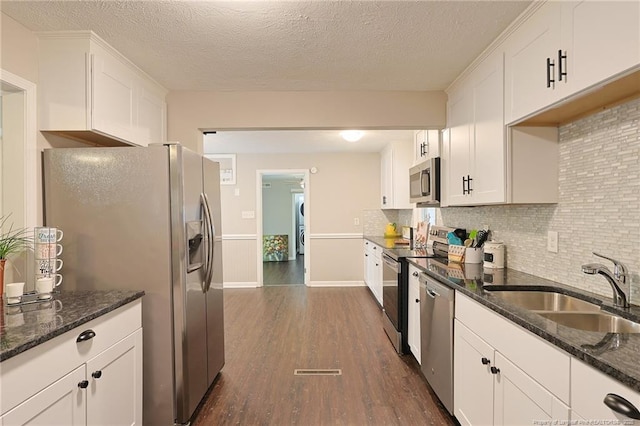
{"points": [[148, 218]]}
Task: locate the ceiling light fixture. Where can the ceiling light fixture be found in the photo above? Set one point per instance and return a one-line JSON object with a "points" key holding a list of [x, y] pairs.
{"points": [[352, 135]]}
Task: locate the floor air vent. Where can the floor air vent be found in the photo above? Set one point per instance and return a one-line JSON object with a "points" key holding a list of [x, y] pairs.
{"points": [[317, 372]]}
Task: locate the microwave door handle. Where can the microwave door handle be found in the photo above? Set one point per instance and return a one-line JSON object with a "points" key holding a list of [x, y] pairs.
{"points": [[425, 173]]}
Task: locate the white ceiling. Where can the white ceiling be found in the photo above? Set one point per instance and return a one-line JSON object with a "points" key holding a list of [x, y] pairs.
{"points": [[285, 45], [299, 141]]}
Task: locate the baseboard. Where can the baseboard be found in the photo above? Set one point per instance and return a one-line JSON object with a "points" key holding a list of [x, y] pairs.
{"points": [[240, 284], [336, 284]]}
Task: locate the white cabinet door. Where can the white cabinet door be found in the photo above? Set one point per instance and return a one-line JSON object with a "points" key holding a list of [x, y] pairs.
{"points": [[520, 400], [113, 97], [413, 337], [589, 387], [488, 171], [151, 122], [386, 178], [62, 403], [377, 273], [368, 259], [600, 39], [527, 86], [114, 395], [472, 378], [458, 162]]}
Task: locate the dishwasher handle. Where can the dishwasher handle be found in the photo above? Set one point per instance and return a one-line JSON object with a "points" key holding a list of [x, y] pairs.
{"points": [[432, 293]]}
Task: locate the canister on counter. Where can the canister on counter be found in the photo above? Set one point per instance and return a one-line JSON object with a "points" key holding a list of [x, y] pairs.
{"points": [[493, 255]]}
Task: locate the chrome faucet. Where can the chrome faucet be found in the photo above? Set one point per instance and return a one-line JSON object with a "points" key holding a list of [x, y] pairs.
{"points": [[619, 279]]}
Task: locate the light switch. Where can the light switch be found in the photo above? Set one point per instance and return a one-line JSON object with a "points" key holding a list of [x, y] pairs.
{"points": [[356, 221], [552, 241], [236, 192]]}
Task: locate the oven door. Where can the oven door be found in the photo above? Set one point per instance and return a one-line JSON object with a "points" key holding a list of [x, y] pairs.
{"points": [[390, 278]]}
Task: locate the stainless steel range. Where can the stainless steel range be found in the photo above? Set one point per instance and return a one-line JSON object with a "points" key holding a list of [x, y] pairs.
{"points": [[395, 283]]}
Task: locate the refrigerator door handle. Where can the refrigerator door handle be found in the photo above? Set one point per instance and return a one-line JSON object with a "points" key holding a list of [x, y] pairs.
{"points": [[212, 243], [207, 238]]}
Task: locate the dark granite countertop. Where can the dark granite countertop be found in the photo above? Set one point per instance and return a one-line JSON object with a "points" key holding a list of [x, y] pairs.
{"points": [[26, 326], [617, 355], [396, 249]]}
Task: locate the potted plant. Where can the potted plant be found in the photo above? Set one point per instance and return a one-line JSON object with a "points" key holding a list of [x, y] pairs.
{"points": [[11, 241]]}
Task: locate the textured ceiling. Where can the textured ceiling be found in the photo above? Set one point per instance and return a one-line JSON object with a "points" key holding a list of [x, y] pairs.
{"points": [[285, 45]]}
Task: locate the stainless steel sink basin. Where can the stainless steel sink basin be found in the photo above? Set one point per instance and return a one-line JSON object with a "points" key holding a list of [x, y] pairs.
{"points": [[545, 301], [593, 321]]}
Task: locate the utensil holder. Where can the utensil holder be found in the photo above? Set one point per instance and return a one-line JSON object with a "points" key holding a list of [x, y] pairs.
{"points": [[473, 255]]}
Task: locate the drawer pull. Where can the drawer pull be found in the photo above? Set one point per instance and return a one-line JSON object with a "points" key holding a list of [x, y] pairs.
{"points": [[96, 374], [495, 370], [415, 274], [485, 361], [621, 405], [83, 384], [86, 335]]}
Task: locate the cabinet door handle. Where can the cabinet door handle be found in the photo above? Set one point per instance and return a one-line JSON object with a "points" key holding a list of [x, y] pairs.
{"points": [[550, 66], [485, 361], [464, 187], [384, 200], [86, 335], [96, 374], [415, 274], [469, 179], [562, 70], [621, 405], [83, 384], [495, 370], [417, 300]]}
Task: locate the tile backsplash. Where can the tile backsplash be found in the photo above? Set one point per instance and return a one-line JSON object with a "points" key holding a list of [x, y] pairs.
{"points": [[598, 208], [376, 220]]}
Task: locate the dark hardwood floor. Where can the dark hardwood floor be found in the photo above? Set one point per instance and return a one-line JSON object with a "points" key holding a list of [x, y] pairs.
{"points": [[284, 273], [271, 331]]}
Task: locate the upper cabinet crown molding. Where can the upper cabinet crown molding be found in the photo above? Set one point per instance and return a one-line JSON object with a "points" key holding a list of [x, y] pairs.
{"points": [[91, 92]]}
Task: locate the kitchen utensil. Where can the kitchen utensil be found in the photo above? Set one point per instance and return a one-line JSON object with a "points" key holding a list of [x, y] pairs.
{"points": [[468, 242], [481, 237], [453, 239], [472, 234], [461, 233]]}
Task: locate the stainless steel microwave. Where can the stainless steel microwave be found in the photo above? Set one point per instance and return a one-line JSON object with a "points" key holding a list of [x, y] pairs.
{"points": [[424, 182]]}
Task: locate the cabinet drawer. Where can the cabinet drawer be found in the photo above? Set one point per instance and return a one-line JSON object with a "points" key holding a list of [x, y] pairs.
{"points": [[537, 358], [33, 370], [588, 390]]}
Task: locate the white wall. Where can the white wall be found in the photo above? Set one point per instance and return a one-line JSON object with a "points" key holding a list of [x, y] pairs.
{"points": [[598, 209], [344, 186]]}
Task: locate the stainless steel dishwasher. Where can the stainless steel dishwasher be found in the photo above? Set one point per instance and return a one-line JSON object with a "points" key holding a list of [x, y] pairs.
{"points": [[436, 340]]}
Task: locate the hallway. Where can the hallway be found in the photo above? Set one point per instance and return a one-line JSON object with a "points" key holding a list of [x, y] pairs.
{"points": [[272, 331], [284, 273]]}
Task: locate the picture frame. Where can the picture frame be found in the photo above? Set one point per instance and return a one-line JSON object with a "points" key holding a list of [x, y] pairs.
{"points": [[227, 167]]}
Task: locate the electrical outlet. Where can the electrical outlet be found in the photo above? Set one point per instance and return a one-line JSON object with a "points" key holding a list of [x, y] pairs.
{"points": [[236, 191], [248, 215], [552, 241], [356, 221]]}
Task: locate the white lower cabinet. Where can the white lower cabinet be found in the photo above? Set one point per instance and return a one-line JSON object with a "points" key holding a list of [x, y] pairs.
{"points": [[62, 403], [504, 375], [373, 269], [413, 337], [72, 380], [590, 387]]}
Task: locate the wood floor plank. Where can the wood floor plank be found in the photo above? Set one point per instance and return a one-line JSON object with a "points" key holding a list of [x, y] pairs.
{"points": [[289, 272], [272, 331]]}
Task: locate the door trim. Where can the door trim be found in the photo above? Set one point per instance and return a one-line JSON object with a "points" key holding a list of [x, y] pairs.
{"points": [[259, 228]]}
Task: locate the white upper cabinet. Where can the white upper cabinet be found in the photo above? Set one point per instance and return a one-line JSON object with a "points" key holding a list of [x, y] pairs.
{"points": [[566, 47], [475, 148], [529, 63], [426, 145], [599, 39], [88, 91], [395, 160]]}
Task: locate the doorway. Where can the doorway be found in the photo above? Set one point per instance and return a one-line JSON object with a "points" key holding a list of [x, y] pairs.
{"points": [[284, 254]]}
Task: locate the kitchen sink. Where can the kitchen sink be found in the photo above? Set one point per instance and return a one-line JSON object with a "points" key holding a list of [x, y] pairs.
{"points": [[593, 321], [545, 301]]}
